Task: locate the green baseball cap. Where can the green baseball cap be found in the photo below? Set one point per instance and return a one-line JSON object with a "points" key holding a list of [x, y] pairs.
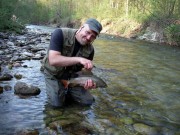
{"points": [[94, 25]]}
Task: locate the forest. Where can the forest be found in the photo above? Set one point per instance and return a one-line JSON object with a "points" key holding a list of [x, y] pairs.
{"points": [[122, 16]]}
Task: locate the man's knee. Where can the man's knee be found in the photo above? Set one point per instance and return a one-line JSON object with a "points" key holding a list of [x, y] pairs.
{"points": [[55, 99], [87, 101], [82, 96]]}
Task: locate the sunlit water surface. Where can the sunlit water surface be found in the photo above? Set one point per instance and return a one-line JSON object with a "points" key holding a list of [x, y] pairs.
{"points": [[143, 87]]}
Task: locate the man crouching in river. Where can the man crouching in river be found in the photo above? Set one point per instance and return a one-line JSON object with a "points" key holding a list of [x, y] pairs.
{"points": [[70, 50]]}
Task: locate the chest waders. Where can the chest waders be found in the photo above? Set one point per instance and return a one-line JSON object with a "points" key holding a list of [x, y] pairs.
{"points": [[55, 90]]}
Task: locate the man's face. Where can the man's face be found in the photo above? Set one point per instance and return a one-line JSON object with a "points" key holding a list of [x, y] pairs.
{"points": [[85, 35]]}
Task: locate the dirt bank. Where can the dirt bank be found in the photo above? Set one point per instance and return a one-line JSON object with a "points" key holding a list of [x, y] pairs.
{"points": [[127, 28]]}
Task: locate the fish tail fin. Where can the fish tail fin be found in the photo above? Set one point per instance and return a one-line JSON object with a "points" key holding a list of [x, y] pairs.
{"points": [[65, 83]]}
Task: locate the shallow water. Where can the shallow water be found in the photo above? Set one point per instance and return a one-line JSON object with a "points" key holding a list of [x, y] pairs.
{"points": [[143, 87], [17, 112], [146, 82]]}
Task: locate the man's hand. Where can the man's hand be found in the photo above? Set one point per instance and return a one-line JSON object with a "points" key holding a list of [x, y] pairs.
{"points": [[89, 84], [56, 59], [86, 63]]}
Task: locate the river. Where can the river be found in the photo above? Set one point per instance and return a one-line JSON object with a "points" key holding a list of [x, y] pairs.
{"points": [[142, 95]]}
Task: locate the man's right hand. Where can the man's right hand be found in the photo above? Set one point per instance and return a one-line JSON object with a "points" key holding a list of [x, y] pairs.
{"points": [[56, 59], [86, 63]]}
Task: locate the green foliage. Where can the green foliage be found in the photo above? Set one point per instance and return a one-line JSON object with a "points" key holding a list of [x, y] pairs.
{"points": [[41, 11], [32, 11], [63, 12], [172, 33], [162, 11], [7, 8]]}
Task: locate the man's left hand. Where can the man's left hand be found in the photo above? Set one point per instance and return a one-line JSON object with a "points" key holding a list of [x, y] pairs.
{"points": [[90, 84]]}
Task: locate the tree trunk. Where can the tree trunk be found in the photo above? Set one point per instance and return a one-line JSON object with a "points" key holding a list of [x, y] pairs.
{"points": [[127, 7]]}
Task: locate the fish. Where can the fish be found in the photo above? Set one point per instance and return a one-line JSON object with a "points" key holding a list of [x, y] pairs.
{"points": [[81, 80], [84, 72]]}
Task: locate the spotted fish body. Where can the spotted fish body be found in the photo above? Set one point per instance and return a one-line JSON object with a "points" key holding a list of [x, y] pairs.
{"points": [[81, 80]]}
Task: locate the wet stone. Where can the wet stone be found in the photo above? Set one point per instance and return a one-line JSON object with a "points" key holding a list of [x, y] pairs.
{"points": [[24, 89], [18, 76], [27, 132], [145, 129], [1, 89], [17, 64], [1, 52], [6, 77], [63, 123], [126, 120], [7, 87]]}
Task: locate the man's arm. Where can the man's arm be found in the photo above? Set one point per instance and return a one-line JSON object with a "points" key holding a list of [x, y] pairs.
{"points": [[56, 59]]}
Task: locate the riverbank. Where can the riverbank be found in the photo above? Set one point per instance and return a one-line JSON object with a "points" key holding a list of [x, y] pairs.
{"points": [[129, 29]]}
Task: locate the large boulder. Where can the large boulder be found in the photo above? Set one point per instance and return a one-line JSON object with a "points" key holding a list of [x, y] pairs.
{"points": [[24, 89]]}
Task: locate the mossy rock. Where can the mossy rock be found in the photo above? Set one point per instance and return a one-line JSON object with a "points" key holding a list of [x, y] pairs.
{"points": [[127, 120]]}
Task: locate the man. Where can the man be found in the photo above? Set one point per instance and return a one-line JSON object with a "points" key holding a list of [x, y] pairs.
{"points": [[69, 51]]}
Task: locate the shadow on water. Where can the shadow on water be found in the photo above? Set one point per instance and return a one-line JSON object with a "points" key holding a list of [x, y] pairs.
{"points": [[142, 96]]}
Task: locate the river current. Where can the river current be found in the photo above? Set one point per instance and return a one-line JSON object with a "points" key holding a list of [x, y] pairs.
{"points": [[142, 95]]}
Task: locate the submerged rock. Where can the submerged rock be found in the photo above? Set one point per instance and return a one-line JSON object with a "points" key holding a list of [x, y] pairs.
{"points": [[145, 129], [7, 87], [1, 89], [126, 120], [27, 132], [18, 76]]}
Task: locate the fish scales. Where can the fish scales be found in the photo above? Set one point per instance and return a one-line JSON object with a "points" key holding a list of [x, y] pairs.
{"points": [[81, 80]]}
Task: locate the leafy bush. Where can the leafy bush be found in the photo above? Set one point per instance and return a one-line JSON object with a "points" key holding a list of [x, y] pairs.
{"points": [[6, 12], [172, 33]]}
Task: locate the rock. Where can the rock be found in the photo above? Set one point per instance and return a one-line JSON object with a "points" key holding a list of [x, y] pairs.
{"points": [[27, 132], [1, 52], [18, 76], [16, 64], [22, 38], [3, 35], [7, 87], [127, 120], [36, 49], [24, 89], [10, 43], [54, 113], [41, 68], [6, 77], [28, 54], [3, 45], [1, 89], [37, 57], [62, 123], [145, 129], [112, 131], [10, 66], [48, 131], [25, 66]]}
